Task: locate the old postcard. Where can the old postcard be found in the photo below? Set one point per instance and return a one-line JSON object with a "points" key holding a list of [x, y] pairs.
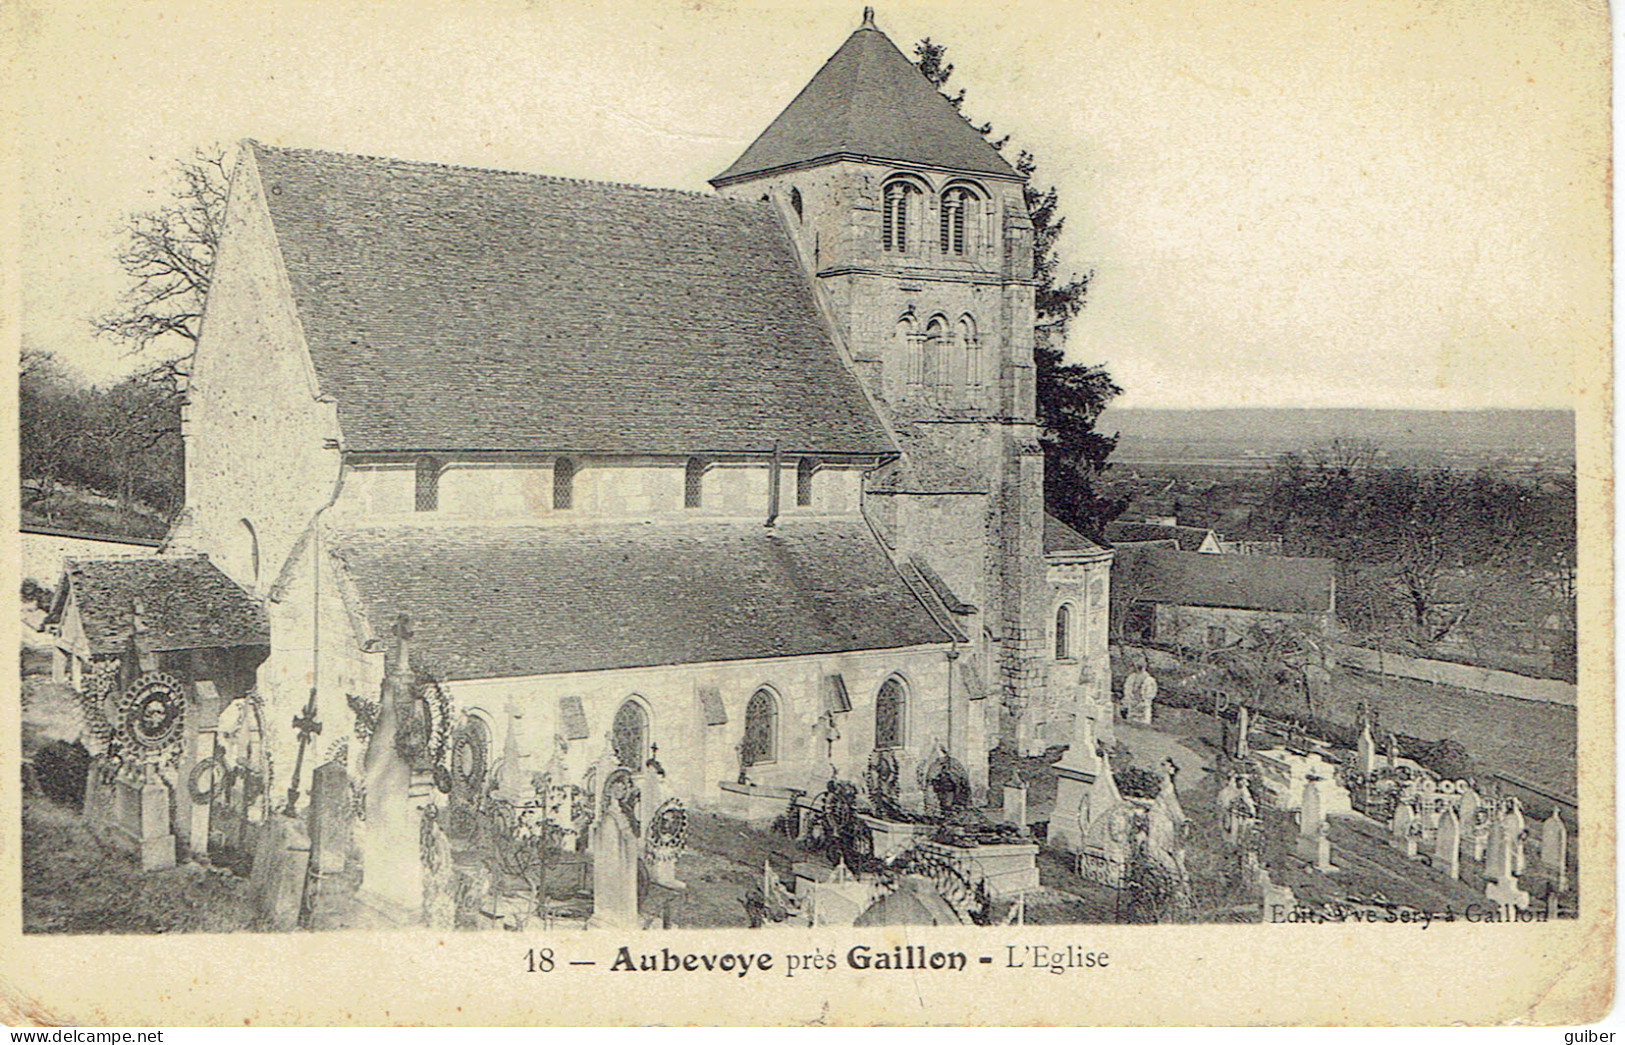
{"points": [[690, 513]]}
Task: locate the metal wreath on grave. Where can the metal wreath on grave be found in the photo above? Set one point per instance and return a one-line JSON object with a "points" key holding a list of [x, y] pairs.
{"points": [[668, 828], [152, 718], [421, 739]]}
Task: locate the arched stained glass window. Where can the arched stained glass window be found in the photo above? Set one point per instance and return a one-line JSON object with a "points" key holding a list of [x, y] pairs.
{"points": [[630, 735], [890, 709], [761, 729]]}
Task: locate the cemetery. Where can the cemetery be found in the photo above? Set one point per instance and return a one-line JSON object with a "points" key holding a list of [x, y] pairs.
{"points": [[1190, 814]]}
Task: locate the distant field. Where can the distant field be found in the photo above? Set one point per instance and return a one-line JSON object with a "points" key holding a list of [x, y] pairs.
{"points": [[1244, 438]]}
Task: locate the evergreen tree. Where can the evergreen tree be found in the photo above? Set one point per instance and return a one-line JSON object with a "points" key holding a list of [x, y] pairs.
{"points": [[1071, 396]]}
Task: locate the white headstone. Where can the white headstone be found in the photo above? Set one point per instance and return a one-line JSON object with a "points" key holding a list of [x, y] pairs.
{"points": [[1554, 849], [1368, 752], [1516, 831], [1243, 725], [1447, 845], [614, 868]]}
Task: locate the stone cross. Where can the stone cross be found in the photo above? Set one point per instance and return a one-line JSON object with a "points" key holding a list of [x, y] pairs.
{"points": [[1447, 845], [1554, 849]]}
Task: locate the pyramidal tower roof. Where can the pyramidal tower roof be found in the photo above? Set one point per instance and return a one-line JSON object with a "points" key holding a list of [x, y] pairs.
{"points": [[869, 102]]}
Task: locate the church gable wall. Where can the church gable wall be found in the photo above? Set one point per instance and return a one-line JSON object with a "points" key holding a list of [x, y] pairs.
{"points": [[257, 436]]}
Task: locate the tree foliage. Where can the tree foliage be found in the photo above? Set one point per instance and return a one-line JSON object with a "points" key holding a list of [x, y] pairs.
{"points": [[1422, 551], [1070, 396]]}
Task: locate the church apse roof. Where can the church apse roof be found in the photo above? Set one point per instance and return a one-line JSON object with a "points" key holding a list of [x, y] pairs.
{"points": [[514, 601], [452, 309], [869, 102]]}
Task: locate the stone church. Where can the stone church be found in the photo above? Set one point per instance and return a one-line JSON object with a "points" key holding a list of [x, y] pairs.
{"points": [[745, 483]]}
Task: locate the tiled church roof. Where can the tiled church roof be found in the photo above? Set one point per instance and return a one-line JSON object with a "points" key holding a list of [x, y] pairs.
{"points": [[1061, 540], [500, 602], [460, 309], [869, 101], [184, 602]]}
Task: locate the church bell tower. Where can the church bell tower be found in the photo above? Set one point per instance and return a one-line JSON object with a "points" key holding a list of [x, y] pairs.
{"points": [[916, 234]]}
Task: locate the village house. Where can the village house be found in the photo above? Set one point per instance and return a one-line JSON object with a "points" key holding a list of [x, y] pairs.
{"points": [[1200, 601], [744, 486]]}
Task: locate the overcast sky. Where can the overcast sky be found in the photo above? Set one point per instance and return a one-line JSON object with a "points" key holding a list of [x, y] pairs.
{"points": [[1286, 202]]}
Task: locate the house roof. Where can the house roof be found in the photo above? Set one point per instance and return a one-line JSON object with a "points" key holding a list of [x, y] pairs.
{"points": [[512, 601], [1061, 540], [183, 602], [451, 308], [1190, 538], [1248, 582], [869, 102]]}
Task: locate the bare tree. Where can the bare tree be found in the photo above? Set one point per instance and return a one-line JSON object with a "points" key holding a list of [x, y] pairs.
{"points": [[169, 255]]}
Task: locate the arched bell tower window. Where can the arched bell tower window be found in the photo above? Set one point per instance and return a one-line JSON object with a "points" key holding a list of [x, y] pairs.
{"points": [[251, 551], [795, 202], [898, 200], [958, 227], [564, 484], [693, 483], [1063, 632]]}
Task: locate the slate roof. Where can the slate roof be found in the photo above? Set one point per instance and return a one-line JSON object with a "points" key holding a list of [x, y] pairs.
{"points": [[1061, 540], [1248, 582], [451, 308], [869, 102], [509, 601], [185, 603], [1190, 538]]}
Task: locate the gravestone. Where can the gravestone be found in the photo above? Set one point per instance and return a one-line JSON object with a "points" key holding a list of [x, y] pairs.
{"points": [[518, 760], [1412, 837], [1084, 789], [1323, 849], [1278, 901], [439, 875], [1554, 849], [157, 839], [1404, 816], [1310, 820], [1368, 752], [615, 849], [1502, 886], [1473, 829], [1243, 725], [1393, 751], [1139, 696], [1447, 845], [1517, 830], [276, 882], [329, 818], [1015, 804]]}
